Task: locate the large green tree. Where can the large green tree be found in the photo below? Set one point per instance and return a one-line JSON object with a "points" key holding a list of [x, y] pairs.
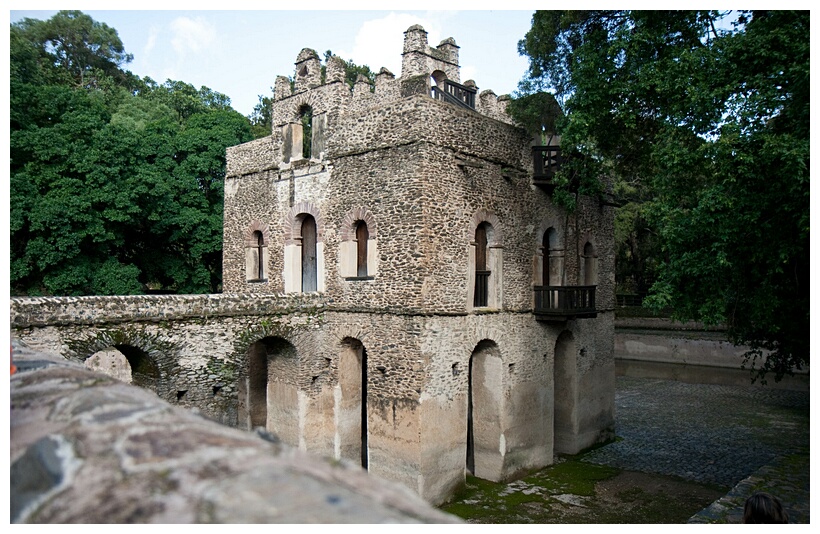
{"points": [[115, 185], [703, 117]]}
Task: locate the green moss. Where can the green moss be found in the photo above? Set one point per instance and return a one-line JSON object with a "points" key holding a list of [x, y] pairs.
{"points": [[572, 476]]}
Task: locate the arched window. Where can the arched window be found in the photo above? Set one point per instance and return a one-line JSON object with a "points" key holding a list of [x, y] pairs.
{"points": [[304, 265], [358, 245], [362, 237], [589, 265], [485, 262], [553, 271], [309, 264], [482, 274], [256, 253]]}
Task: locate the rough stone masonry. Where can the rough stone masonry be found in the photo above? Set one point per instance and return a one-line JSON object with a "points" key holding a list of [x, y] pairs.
{"points": [[399, 290]]}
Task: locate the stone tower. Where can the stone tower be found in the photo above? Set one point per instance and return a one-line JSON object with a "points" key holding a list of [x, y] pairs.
{"points": [[466, 321]]}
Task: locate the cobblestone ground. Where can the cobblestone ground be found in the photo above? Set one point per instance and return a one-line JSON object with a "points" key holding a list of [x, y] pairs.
{"points": [[712, 434]]}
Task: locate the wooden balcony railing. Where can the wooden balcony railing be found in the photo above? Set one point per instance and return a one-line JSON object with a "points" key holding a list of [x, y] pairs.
{"points": [[560, 303], [482, 285], [546, 161], [455, 93]]}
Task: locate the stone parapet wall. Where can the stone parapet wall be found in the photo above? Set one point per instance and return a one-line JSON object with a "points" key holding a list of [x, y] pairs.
{"points": [[421, 118], [253, 156], [115, 453], [26, 312]]}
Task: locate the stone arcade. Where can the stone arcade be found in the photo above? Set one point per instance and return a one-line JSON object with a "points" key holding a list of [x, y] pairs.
{"points": [[412, 210], [399, 288]]}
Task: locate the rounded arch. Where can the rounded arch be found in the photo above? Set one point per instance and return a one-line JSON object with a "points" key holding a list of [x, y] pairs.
{"points": [[485, 393], [545, 226], [257, 226], [495, 236], [589, 261], [110, 361], [151, 357], [438, 77], [293, 222], [267, 391], [347, 232], [352, 420], [303, 101]]}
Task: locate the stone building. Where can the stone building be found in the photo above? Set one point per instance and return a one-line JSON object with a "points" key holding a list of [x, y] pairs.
{"points": [[466, 320]]}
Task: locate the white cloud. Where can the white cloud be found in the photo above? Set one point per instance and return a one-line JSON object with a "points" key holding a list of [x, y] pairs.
{"points": [[152, 41], [191, 35], [379, 42]]}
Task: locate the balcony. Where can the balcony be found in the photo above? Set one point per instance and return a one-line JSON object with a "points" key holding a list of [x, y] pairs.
{"points": [[546, 161], [455, 93], [561, 303]]}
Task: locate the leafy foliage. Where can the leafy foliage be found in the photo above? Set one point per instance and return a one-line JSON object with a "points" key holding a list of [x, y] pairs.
{"points": [[116, 185], [702, 119]]}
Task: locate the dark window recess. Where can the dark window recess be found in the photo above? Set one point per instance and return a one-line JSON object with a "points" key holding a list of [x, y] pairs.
{"points": [[309, 275], [306, 117], [482, 279], [482, 275], [260, 256], [362, 235]]}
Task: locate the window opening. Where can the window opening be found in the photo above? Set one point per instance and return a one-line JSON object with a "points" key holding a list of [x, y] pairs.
{"points": [[260, 261], [362, 235], [482, 275], [306, 118], [309, 264]]}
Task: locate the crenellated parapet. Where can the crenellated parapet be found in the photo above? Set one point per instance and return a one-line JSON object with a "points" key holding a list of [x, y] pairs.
{"points": [[419, 58]]}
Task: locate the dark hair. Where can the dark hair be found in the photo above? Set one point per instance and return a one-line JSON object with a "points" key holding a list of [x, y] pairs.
{"points": [[764, 508]]}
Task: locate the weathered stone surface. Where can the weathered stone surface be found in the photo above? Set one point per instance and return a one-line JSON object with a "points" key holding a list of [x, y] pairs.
{"points": [[86, 448], [425, 177]]}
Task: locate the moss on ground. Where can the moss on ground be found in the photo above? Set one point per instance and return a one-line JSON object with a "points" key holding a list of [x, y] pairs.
{"points": [[573, 491]]}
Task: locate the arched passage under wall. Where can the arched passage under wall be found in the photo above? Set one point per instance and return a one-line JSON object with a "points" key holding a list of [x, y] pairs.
{"points": [[484, 401], [111, 362], [565, 425], [351, 417], [144, 371], [268, 394]]}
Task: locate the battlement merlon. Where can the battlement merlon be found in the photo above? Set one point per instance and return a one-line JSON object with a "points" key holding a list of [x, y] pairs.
{"points": [[419, 58], [422, 66]]}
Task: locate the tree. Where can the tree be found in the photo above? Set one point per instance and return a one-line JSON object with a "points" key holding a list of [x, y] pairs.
{"points": [[75, 45], [706, 114], [261, 118], [116, 185]]}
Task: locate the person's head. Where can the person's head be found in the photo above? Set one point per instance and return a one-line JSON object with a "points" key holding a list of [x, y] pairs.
{"points": [[764, 508]]}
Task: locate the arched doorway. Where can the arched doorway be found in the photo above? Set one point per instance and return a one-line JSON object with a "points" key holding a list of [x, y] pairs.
{"points": [[565, 426], [484, 396], [268, 393], [352, 409]]}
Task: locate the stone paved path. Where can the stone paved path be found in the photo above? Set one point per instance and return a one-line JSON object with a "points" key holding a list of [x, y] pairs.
{"points": [[716, 435]]}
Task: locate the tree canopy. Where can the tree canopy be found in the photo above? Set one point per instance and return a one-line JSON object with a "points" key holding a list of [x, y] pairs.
{"points": [[702, 120], [116, 182]]}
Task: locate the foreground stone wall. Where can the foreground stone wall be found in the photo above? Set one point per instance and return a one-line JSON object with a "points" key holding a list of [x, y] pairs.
{"points": [[86, 448]]}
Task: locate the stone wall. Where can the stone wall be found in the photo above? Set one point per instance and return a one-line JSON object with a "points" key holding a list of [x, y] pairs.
{"points": [[388, 358], [86, 448], [689, 352]]}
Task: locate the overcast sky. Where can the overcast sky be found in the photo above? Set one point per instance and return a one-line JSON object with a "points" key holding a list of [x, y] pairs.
{"points": [[240, 52]]}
